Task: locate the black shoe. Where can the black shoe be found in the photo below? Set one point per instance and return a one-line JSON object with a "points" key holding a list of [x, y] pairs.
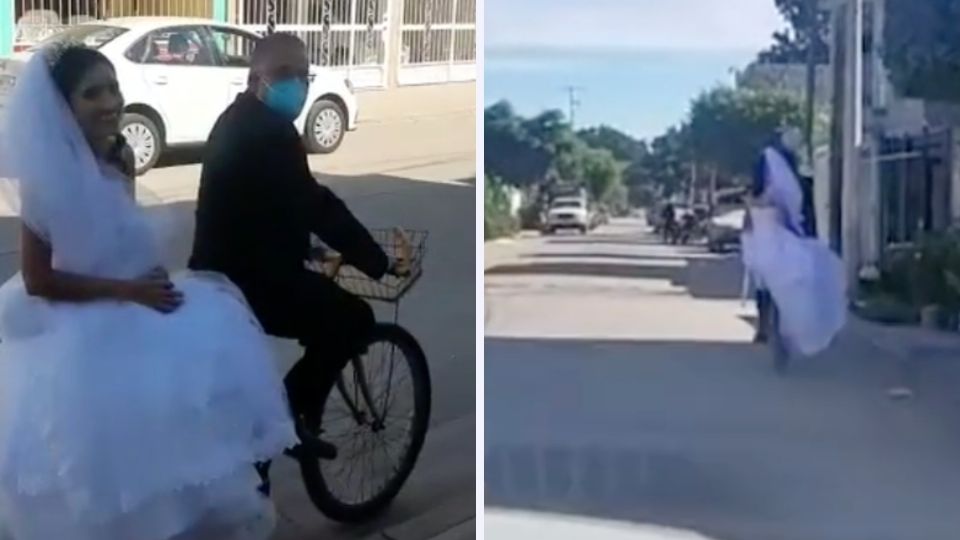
{"points": [[312, 444], [263, 469]]}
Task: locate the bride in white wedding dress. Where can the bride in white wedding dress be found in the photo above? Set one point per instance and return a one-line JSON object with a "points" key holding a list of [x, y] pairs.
{"points": [[132, 404]]}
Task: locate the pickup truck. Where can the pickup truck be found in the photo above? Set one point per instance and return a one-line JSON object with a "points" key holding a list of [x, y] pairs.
{"points": [[568, 213]]}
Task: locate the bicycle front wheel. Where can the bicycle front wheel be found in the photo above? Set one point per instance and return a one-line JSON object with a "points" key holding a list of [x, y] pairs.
{"points": [[376, 412]]}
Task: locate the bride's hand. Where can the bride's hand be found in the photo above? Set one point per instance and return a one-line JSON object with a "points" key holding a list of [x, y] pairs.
{"points": [[154, 290]]}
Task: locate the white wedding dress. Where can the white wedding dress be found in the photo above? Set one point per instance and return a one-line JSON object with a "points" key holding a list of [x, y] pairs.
{"points": [[804, 277], [118, 422]]}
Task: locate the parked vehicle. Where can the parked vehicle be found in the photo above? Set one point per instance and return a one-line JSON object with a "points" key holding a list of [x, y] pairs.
{"points": [[568, 213], [724, 230], [179, 75]]}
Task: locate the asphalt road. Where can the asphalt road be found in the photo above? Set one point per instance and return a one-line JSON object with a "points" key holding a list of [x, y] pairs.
{"points": [[621, 386]]}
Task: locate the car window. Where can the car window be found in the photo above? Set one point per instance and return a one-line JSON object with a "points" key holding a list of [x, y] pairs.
{"points": [[183, 46], [233, 47], [567, 204], [93, 36]]}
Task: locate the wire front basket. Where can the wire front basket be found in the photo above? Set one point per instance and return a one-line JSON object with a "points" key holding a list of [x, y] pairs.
{"points": [[408, 248]]}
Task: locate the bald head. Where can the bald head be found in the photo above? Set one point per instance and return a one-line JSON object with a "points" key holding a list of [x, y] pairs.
{"points": [[278, 57]]}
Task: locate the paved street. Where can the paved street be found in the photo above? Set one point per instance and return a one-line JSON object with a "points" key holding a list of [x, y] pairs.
{"points": [[621, 386], [417, 174]]}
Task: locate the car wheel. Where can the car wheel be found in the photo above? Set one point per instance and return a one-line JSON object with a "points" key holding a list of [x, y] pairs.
{"points": [[325, 128], [143, 137]]}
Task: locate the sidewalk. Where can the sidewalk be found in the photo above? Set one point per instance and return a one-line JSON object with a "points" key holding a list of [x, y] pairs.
{"points": [[411, 102], [906, 341]]}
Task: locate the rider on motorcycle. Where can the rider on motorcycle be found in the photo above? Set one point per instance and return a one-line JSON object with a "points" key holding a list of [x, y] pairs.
{"points": [[668, 217]]}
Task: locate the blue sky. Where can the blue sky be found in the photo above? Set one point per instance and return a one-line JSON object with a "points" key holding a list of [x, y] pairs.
{"points": [[639, 61]]}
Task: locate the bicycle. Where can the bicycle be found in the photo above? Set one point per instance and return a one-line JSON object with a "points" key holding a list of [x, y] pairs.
{"points": [[365, 412]]}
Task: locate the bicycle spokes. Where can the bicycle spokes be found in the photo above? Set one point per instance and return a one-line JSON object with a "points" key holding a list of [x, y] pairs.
{"points": [[367, 422]]}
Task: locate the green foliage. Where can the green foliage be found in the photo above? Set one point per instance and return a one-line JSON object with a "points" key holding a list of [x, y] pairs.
{"points": [[726, 131], [497, 219], [512, 153], [729, 127], [533, 151], [600, 172], [791, 45], [922, 48], [622, 146], [666, 167], [926, 274]]}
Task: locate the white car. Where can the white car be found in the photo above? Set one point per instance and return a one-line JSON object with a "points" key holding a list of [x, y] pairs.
{"points": [[725, 229], [179, 75], [568, 213]]}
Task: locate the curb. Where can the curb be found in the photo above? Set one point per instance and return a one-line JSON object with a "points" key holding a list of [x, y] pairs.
{"points": [[415, 118]]}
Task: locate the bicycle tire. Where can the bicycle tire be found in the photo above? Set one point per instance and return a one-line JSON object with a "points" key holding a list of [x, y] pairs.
{"points": [[312, 472]]}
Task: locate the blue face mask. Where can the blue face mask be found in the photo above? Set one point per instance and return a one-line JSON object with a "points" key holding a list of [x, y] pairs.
{"points": [[286, 97]]}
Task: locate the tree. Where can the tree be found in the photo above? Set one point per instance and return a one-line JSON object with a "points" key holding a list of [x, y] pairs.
{"points": [[601, 172], [511, 153], [729, 127], [622, 146], [792, 44], [667, 165], [922, 48]]}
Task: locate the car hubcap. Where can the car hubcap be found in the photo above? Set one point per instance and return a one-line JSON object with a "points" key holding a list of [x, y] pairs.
{"points": [[327, 128], [143, 143]]}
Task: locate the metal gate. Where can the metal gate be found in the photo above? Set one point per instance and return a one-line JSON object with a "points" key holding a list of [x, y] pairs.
{"points": [[438, 41], [349, 36], [36, 20], [915, 189]]}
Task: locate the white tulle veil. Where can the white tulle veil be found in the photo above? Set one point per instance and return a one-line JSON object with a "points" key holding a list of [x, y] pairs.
{"points": [[783, 189], [50, 176]]}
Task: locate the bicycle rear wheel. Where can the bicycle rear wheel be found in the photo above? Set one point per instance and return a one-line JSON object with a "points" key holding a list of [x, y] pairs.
{"points": [[376, 412]]}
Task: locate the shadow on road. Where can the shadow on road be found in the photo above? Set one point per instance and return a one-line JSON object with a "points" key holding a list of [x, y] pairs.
{"points": [[707, 278], [705, 436]]}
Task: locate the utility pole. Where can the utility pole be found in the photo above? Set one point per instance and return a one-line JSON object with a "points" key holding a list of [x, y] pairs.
{"points": [[574, 103], [853, 140], [813, 38]]}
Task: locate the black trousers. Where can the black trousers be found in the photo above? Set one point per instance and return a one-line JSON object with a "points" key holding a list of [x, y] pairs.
{"points": [[331, 323], [763, 312]]}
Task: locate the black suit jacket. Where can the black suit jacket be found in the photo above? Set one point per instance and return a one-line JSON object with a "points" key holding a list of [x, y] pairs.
{"points": [[258, 204]]}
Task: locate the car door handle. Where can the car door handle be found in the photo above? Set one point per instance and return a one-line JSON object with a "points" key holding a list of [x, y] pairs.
{"points": [[238, 82], [160, 79]]}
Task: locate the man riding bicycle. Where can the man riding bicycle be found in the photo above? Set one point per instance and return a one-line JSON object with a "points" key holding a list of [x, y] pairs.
{"points": [[257, 207]]}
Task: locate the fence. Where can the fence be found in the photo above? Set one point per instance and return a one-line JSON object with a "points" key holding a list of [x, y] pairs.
{"points": [[438, 41], [349, 36], [437, 37], [36, 20], [915, 186]]}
